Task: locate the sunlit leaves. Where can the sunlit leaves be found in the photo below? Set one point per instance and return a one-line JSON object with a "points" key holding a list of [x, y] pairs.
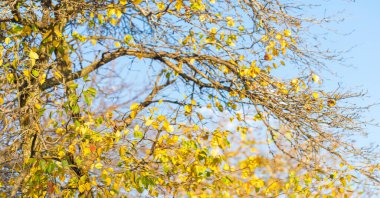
{"points": [[127, 38], [96, 133], [7, 40], [188, 108], [315, 95], [136, 2], [93, 42], [33, 56], [287, 33], [98, 166], [331, 102], [123, 2], [117, 44], [315, 78], [134, 106], [230, 22], [161, 6]]}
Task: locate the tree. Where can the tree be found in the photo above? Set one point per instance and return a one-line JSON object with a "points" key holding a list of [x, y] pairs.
{"points": [[114, 98]]}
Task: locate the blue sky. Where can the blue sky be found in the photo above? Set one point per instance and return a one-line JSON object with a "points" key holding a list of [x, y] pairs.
{"points": [[363, 18]]}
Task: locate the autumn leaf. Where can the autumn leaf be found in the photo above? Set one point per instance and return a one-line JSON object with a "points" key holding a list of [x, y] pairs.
{"points": [[7, 40], [98, 166], [331, 102], [134, 106], [33, 55]]}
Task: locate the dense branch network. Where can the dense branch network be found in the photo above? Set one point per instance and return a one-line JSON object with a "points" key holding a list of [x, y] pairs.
{"points": [[128, 97]]}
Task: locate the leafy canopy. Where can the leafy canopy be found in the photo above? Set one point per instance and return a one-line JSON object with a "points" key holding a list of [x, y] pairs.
{"points": [[199, 102]]}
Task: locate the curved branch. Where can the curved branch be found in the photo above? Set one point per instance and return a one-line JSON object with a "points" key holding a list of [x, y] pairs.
{"points": [[160, 56]]}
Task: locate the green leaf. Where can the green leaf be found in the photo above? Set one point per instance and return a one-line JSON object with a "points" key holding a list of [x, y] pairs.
{"points": [[75, 109], [138, 134], [92, 91], [35, 73], [73, 85]]}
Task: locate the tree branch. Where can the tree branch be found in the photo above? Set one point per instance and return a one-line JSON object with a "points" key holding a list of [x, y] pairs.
{"points": [[160, 56]]}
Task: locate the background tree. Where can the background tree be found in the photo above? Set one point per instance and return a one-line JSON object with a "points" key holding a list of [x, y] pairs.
{"points": [[195, 104]]}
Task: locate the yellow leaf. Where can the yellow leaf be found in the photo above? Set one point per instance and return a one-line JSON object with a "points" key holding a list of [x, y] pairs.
{"points": [[117, 44], [110, 12], [294, 82], [348, 177], [26, 73], [257, 117], [160, 101], [58, 75], [86, 151], [113, 21], [61, 154], [161, 6], [278, 36], [287, 33], [59, 131], [213, 30], [230, 22], [155, 125], [315, 78], [99, 151], [265, 38], [331, 102], [57, 31], [168, 127], [62, 178], [72, 149], [226, 167], [343, 181], [136, 2], [134, 106], [188, 108], [42, 79], [179, 5], [123, 2], [118, 134], [148, 122], [99, 166], [118, 14], [55, 43], [33, 55], [122, 151], [37, 105], [136, 128], [82, 188], [7, 40], [88, 186], [93, 42], [127, 38], [108, 181], [10, 77], [133, 114], [315, 95]]}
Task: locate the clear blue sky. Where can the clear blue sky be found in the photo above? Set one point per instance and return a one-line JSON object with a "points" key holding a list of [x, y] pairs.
{"points": [[363, 18]]}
